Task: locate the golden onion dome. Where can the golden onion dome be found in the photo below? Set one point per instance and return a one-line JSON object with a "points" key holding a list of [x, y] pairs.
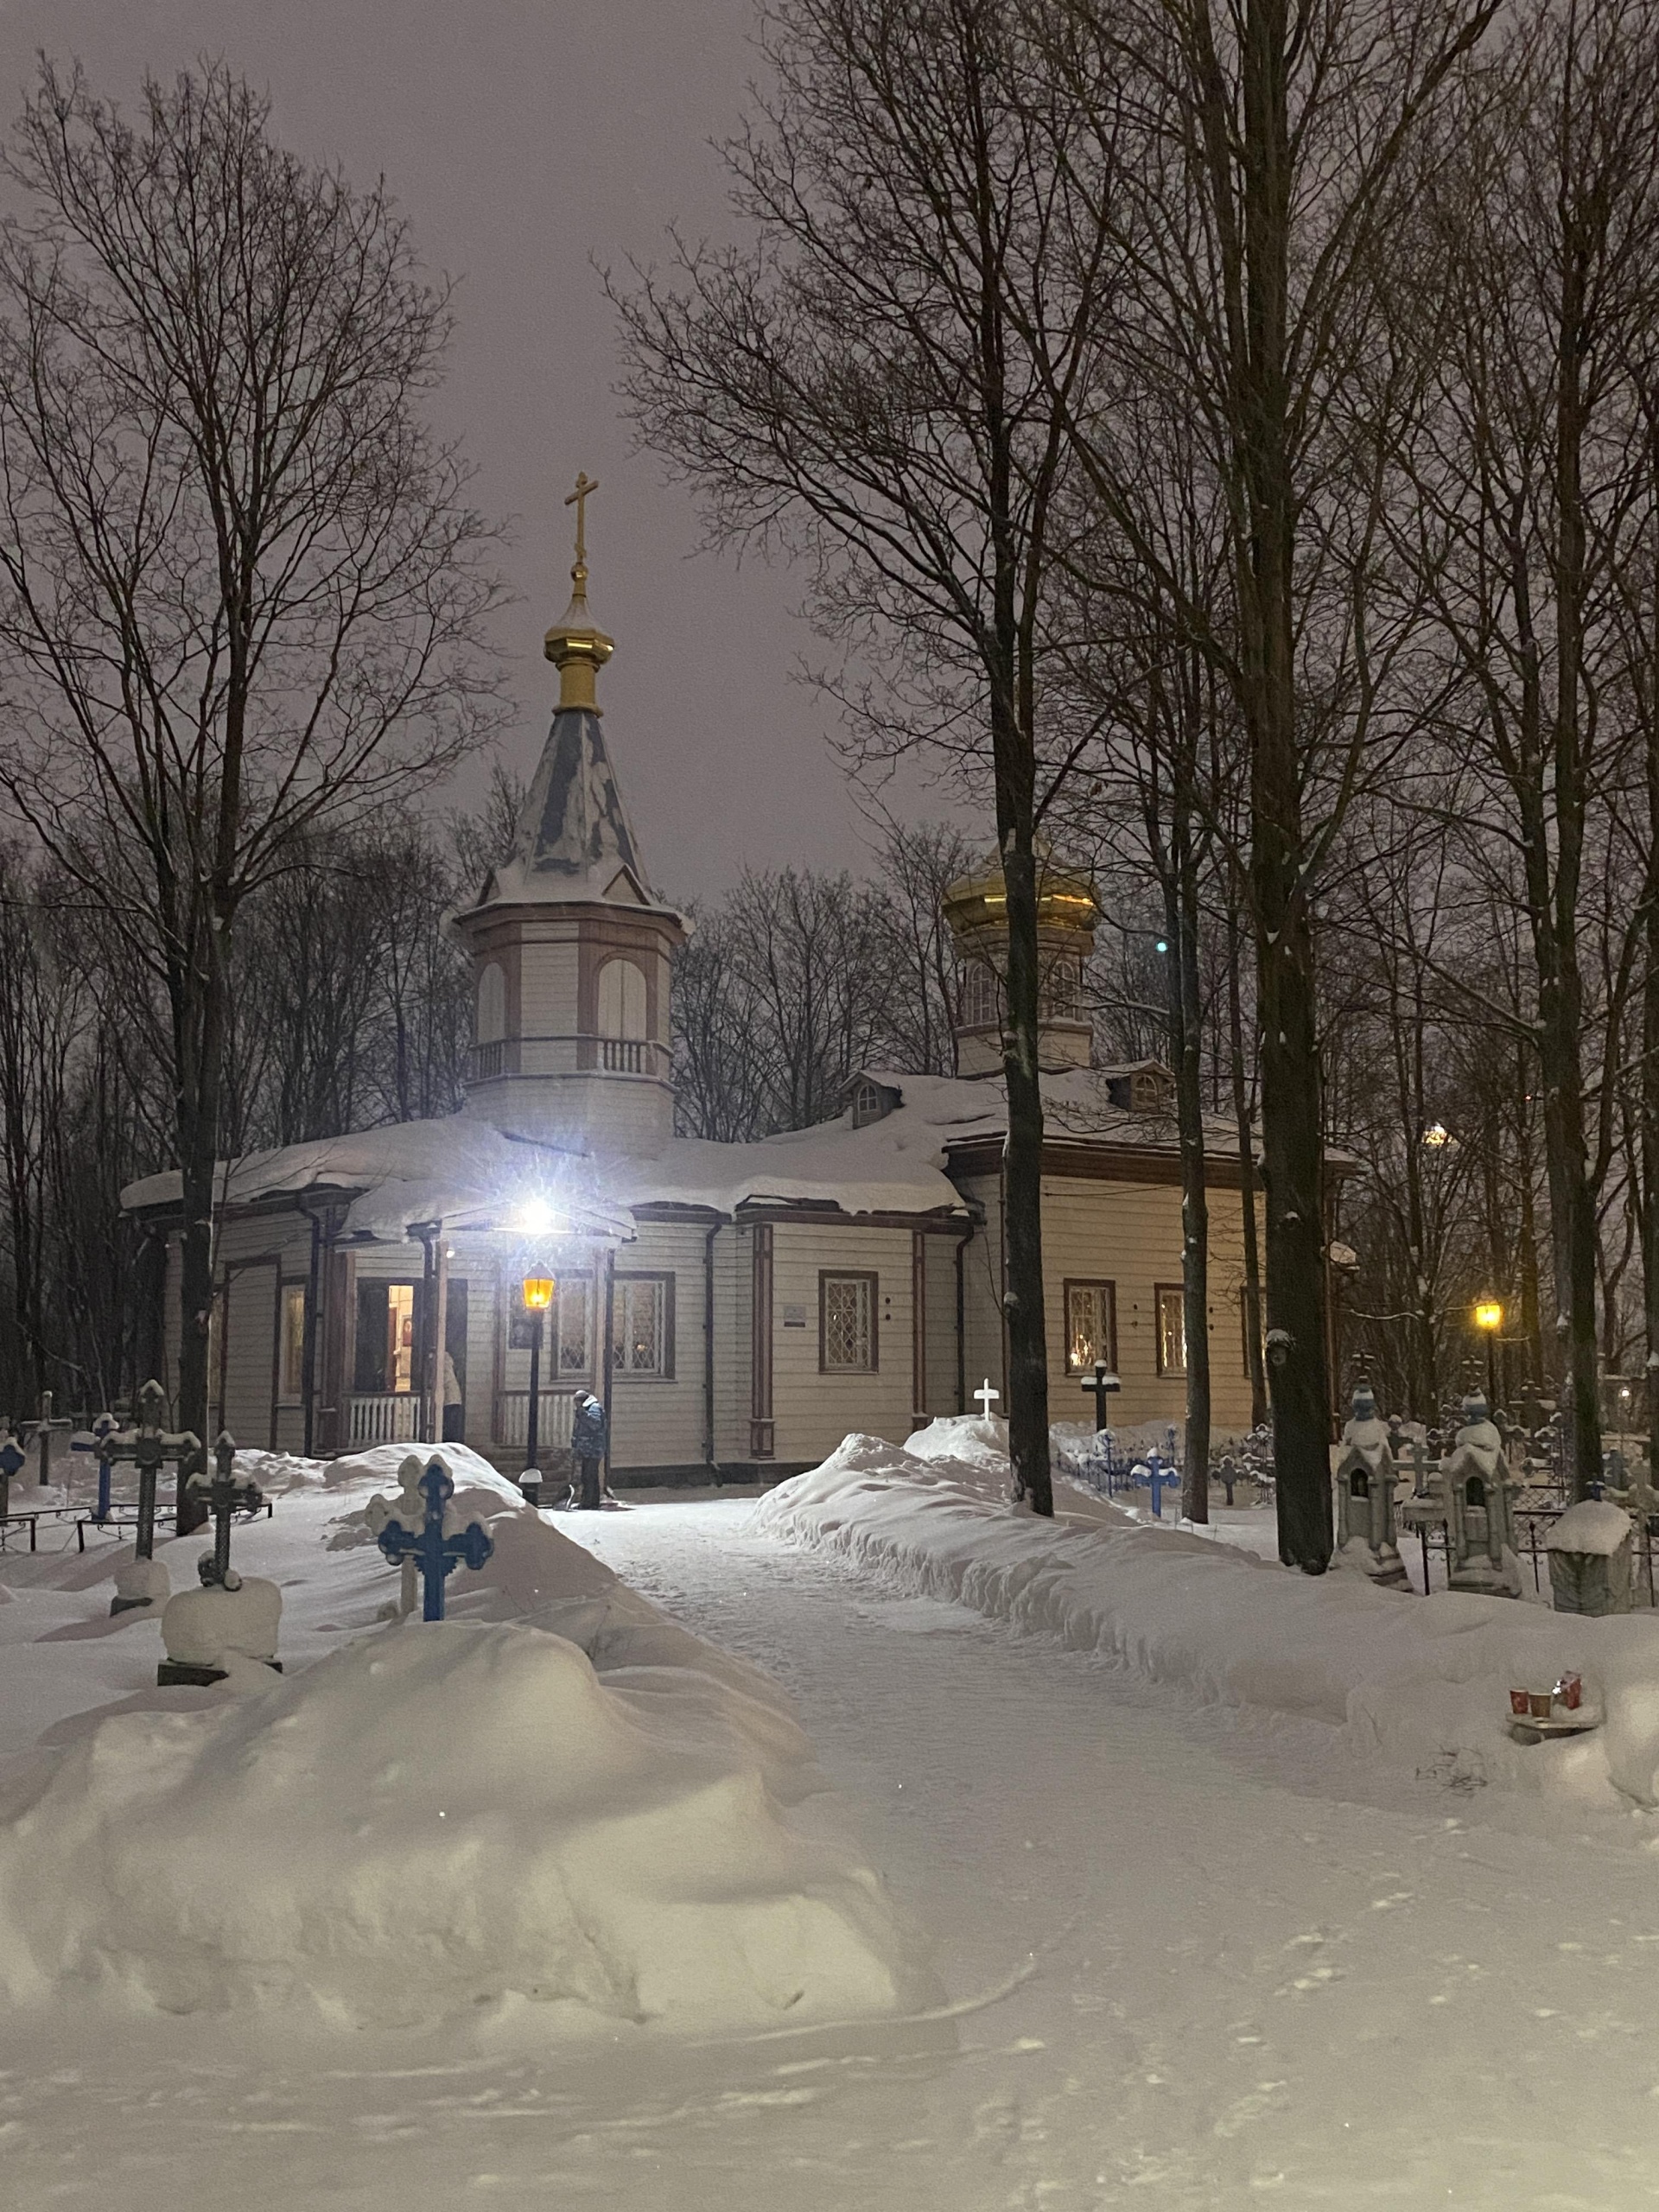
{"points": [[976, 906]]}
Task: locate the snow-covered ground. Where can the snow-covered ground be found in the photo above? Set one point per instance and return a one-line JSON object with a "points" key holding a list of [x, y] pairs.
{"points": [[1186, 1953]]}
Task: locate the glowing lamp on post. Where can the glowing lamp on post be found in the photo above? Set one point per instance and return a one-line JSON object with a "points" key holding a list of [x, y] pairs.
{"points": [[1488, 1319], [539, 1296]]}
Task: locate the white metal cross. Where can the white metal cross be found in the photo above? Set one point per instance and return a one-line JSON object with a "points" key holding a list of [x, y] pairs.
{"points": [[983, 1397]]}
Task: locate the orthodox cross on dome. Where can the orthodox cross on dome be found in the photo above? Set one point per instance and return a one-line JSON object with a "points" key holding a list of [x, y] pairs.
{"points": [[576, 646], [578, 500]]}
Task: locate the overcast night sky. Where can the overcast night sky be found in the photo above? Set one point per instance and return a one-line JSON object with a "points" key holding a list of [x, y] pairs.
{"points": [[526, 138]]}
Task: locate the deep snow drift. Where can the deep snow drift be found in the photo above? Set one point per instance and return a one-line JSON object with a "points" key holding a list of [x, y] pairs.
{"points": [[555, 1799], [1421, 1681]]}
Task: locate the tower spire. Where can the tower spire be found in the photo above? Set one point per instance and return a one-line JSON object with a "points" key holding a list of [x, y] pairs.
{"points": [[575, 645]]}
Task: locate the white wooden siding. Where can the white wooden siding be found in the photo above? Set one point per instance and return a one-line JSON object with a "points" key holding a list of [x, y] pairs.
{"points": [[656, 1423], [813, 1412]]}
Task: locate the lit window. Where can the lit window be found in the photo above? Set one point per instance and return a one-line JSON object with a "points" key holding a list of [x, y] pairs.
{"points": [[1090, 1326], [1172, 1329], [847, 1324], [642, 1325], [291, 1355]]}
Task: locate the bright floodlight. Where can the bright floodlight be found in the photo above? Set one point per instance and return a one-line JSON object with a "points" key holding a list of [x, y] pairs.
{"points": [[537, 1218]]}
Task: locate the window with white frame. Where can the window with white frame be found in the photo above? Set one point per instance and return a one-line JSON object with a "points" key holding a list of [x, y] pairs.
{"points": [[982, 997], [846, 1341], [622, 999], [642, 1326]]}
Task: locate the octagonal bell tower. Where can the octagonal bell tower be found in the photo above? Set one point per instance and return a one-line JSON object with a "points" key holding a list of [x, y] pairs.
{"points": [[571, 948], [976, 909]]}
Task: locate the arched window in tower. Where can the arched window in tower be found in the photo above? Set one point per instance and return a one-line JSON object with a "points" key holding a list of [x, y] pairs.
{"points": [[982, 997], [622, 1016], [491, 1004], [490, 1020]]}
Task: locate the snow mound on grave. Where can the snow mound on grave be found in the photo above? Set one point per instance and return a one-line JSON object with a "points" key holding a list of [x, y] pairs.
{"points": [[449, 1820], [1423, 1683], [1592, 1526], [537, 1575], [375, 1467], [278, 1472], [967, 1437]]}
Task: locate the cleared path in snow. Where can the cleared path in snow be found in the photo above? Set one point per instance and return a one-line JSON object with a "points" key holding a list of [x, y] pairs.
{"points": [[1232, 1981], [1240, 1981]]}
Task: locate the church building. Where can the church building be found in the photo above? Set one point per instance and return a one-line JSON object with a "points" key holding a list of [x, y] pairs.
{"points": [[738, 1307]]}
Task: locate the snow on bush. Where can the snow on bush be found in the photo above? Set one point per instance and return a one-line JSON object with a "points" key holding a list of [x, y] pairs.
{"points": [[453, 1819], [1424, 1681]]}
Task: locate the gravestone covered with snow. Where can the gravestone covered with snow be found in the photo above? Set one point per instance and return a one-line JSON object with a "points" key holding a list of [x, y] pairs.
{"points": [[1479, 1489], [1590, 1559], [1365, 1484], [220, 1630]]}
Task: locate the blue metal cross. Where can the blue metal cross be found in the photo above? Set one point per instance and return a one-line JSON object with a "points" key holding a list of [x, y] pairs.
{"points": [[435, 1555]]}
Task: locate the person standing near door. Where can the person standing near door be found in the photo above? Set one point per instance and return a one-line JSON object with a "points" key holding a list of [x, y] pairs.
{"points": [[589, 1441]]}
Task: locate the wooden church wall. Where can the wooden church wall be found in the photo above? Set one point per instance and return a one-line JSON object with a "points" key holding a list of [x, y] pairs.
{"points": [[1130, 1234], [657, 1423]]}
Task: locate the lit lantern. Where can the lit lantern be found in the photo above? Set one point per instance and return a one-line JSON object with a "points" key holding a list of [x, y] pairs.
{"points": [[539, 1296]]}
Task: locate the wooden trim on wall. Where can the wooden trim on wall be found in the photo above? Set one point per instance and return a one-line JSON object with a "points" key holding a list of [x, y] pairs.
{"points": [[762, 1427], [919, 1328], [931, 1225], [339, 1350]]}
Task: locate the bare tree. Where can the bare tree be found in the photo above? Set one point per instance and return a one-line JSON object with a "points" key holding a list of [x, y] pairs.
{"points": [[877, 384], [1538, 202], [1257, 206], [244, 594]]}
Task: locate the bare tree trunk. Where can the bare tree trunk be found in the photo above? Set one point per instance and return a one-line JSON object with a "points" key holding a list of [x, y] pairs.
{"points": [[1185, 1021], [1252, 1288]]}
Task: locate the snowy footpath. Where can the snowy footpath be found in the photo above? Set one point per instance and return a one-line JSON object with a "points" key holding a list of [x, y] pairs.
{"points": [[1190, 1942]]}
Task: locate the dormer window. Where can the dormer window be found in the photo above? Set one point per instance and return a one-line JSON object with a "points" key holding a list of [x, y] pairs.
{"points": [[871, 1102]]}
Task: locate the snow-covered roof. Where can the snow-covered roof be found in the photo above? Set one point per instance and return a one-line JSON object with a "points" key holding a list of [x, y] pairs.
{"points": [[459, 1169], [1077, 1108], [893, 1166], [575, 842], [467, 1173]]}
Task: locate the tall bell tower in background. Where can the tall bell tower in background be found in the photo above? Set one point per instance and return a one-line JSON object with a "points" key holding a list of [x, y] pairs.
{"points": [[571, 948]]}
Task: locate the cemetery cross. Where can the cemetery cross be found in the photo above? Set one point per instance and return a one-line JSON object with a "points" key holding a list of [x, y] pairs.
{"points": [[225, 1497], [983, 1397], [435, 1555], [1100, 1382]]}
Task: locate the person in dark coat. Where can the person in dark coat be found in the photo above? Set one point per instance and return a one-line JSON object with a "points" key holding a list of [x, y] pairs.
{"points": [[588, 1445]]}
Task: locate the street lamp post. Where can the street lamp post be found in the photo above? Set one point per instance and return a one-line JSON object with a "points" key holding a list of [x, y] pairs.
{"points": [[1488, 1319], [539, 1296]]}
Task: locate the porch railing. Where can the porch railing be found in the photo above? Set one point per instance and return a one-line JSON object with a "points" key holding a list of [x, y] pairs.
{"points": [[512, 1419], [385, 1417]]}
